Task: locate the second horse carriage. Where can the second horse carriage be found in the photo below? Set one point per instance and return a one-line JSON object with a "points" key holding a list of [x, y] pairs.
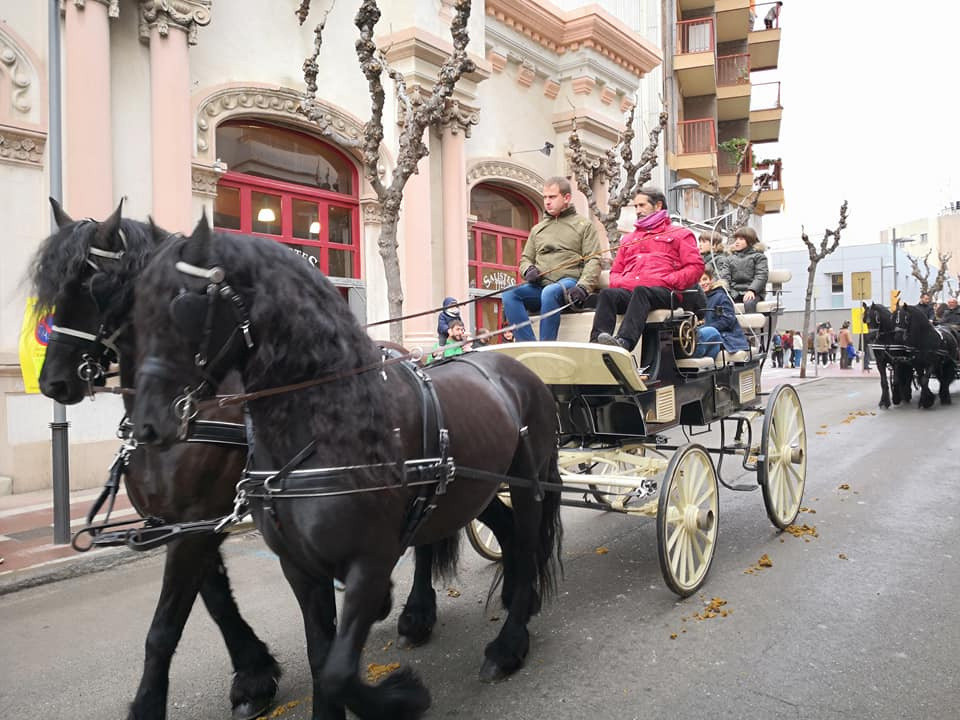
{"points": [[614, 408]]}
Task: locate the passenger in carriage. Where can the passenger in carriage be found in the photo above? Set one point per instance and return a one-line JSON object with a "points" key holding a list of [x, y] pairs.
{"points": [[720, 328], [746, 270], [927, 306], [951, 316], [656, 267], [713, 252], [560, 260]]}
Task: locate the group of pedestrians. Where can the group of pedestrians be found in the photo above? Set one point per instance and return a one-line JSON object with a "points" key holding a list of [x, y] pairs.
{"points": [[787, 349]]}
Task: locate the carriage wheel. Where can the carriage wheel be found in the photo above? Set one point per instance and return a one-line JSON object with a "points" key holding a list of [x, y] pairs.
{"points": [[484, 541], [782, 468], [616, 495], [687, 519]]}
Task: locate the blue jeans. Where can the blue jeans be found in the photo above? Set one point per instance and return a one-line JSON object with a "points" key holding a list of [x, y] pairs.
{"points": [[709, 342], [517, 301]]}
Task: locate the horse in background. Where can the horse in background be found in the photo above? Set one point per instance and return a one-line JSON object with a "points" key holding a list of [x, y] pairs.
{"points": [[85, 273], [896, 372], [328, 481], [934, 350]]}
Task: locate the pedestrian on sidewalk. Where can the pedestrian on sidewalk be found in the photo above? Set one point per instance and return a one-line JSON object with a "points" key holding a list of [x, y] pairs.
{"points": [[777, 343], [823, 346], [797, 348], [845, 341]]}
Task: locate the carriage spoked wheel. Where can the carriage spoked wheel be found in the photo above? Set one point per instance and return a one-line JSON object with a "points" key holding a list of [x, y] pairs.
{"points": [[686, 339], [620, 464], [484, 541], [782, 465], [687, 519], [481, 537]]}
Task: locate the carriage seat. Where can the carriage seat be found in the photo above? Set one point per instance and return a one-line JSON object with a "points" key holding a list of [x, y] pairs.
{"points": [[704, 364]]}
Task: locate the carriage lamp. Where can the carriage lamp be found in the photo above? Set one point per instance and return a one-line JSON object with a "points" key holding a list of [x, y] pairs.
{"points": [[266, 215]]}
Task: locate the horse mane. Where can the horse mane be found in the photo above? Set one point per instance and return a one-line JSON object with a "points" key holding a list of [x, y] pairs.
{"points": [[61, 259], [302, 328]]}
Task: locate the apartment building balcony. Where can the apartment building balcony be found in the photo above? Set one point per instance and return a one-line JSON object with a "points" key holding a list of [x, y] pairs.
{"points": [[688, 5], [733, 20], [693, 61], [727, 169], [733, 87], [696, 154], [768, 174], [765, 112], [764, 48]]}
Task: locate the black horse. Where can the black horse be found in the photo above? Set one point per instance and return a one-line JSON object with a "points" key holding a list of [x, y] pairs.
{"points": [[891, 355], [86, 272], [331, 482], [934, 352]]}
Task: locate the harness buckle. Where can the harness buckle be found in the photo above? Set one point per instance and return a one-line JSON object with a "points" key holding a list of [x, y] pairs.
{"points": [[240, 511], [185, 409], [247, 337]]}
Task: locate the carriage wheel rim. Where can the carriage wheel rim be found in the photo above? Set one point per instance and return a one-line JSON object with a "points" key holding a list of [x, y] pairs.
{"points": [[690, 528], [786, 456]]}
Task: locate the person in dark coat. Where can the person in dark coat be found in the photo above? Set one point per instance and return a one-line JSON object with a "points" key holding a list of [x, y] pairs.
{"points": [[449, 313], [720, 328], [746, 271], [951, 316], [712, 251], [927, 306]]}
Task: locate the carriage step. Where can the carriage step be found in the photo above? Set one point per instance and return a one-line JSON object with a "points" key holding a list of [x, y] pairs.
{"points": [[744, 488]]}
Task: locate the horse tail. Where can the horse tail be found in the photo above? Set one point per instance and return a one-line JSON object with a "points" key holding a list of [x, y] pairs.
{"points": [[446, 557], [550, 541]]}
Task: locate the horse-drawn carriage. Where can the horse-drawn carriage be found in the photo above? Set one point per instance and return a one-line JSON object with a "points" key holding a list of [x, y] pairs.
{"points": [[614, 408]]}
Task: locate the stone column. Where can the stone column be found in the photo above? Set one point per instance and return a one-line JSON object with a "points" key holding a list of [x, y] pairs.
{"points": [[417, 259], [88, 176], [456, 127], [169, 28]]}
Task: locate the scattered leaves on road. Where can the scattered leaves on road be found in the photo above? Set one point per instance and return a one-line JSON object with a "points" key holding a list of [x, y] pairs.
{"points": [[808, 510], [602, 550], [842, 556], [763, 562], [376, 671], [282, 709], [453, 592], [387, 646], [802, 531], [843, 486], [854, 415]]}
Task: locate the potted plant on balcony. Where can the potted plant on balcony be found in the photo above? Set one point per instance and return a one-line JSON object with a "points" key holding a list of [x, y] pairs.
{"points": [[733, 151]]}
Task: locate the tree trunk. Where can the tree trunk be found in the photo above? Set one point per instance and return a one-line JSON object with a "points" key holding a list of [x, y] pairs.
{"points": [[391, 270], [807, 303]]}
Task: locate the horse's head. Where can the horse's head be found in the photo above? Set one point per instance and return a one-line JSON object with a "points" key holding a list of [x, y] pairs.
{"points": [[193, 327], [79, 274], [877, 317]]}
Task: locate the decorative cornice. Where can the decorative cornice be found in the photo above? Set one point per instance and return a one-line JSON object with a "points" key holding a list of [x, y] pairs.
{"points": [[551, 88], [583, 85], [186, 15], [113, 6], [526, 74], [587, 27], [21, 147], [457, 116], [587, 121], [204, 178], [504, 170], [417, 45], [497, 59]]}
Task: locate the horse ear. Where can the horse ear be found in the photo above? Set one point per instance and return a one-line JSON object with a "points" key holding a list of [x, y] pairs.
{"points": [[59, 214], [108, 232], [202, 231], [195, 252]]}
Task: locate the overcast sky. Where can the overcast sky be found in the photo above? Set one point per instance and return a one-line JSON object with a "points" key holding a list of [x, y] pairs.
{"points": [[870, 98]]}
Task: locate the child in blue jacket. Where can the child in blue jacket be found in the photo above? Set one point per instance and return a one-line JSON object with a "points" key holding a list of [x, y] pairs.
{"points": [[720, 327]]}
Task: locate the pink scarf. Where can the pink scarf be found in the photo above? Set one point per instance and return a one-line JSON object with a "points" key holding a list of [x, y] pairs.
{"points": [[651, 221]]}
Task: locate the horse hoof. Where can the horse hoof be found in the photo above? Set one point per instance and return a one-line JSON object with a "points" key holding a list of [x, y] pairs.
{"points": [[490, 672], [408, 643], [252, 709]]}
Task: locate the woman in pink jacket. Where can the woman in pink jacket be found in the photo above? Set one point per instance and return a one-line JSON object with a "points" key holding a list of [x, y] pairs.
{"points": [[656, 266]]}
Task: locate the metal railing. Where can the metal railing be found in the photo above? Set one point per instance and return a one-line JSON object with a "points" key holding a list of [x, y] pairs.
{"points": [[765, 96], [733, 69], [695, 36], [768, 174], [727, 162], [697, 136]]}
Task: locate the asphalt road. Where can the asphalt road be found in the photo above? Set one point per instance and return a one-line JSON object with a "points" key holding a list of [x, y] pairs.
{"points": [[857, 622]]}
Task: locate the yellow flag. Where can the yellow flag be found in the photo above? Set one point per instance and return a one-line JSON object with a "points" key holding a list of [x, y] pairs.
{"points": [[34, 336], [857, 326]]}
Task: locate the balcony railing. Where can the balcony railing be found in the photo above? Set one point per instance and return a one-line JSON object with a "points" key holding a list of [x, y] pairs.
{"points": [[733, 69], [762, 10], [695, 36], [697, 136], [767, 174], [727, 162], [765, 96]]}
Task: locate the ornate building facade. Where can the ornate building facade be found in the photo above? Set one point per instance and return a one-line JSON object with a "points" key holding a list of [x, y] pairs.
{"points": [[184, 106]]}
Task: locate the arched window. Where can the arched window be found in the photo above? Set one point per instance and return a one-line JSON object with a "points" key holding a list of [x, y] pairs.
{"points": [[504, 219], [293, 188]]}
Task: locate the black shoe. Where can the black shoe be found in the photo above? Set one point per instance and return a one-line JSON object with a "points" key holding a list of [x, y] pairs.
{"points": [[608, 339]]}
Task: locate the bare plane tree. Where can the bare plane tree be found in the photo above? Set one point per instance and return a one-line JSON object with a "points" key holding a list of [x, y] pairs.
{"points": [[419, 109], [725, 203], [921, 269], [625, 176], [829, 243]]}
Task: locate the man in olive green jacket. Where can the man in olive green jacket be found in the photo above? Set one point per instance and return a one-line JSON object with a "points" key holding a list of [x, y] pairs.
{"points": [[560, 259]]}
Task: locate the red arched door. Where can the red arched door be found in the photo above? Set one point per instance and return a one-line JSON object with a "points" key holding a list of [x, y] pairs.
{"points": [[504, 219]]}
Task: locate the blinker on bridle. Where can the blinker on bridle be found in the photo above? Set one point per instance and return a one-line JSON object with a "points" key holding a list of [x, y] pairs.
{"points": [[184, 309]]}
